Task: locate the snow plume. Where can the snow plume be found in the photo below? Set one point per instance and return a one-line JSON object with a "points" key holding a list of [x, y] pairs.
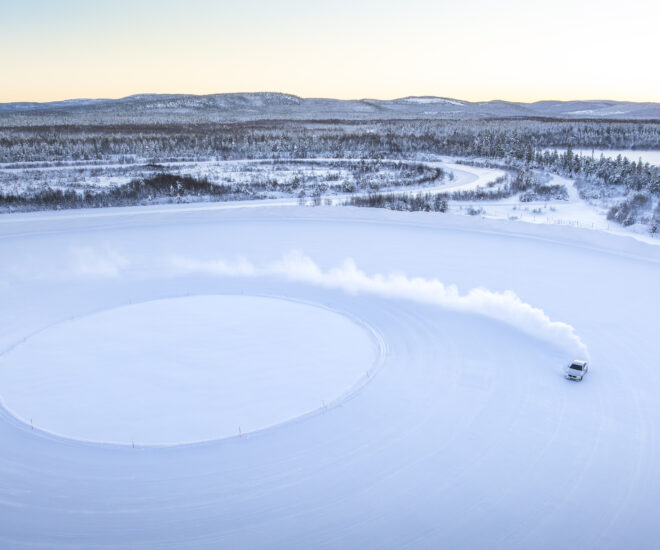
{"points": [[94, 262], [77, 262], [505, 306]]}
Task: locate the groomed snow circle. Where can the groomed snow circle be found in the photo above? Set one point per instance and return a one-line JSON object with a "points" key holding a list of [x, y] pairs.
{"points": [[185, 370]]}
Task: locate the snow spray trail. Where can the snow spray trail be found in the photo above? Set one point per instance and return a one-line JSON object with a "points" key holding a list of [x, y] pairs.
{"points": [[505, 306]]}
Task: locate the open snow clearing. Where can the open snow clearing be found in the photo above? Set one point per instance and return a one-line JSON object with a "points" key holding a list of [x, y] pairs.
{"points": [[411, 388], [184, 370]]}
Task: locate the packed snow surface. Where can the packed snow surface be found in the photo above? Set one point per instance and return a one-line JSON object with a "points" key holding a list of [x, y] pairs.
{"points": [[464, 433], [184, 369]]}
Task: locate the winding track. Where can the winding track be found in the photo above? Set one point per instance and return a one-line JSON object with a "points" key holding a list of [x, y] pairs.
{"points": [[467, 437]]}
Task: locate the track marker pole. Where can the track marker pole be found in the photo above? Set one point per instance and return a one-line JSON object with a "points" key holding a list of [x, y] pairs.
{"points": [[133, 443], [31, 424], [240, 433]]}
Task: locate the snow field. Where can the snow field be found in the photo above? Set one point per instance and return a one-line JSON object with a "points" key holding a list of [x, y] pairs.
{"points": [[465, 436], [184, 370], [575, 211]]}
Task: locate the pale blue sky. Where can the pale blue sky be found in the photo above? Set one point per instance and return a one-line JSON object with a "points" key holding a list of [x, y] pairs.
{"points": [[474, 49]]}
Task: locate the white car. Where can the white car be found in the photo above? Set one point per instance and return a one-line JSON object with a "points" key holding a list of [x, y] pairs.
{"points": [[576, 370]]}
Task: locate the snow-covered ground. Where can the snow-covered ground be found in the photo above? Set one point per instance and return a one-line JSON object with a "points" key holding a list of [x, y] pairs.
{"points": [[574, 212], [184, 370], [334, 173], [94, 174], [462, 434]]}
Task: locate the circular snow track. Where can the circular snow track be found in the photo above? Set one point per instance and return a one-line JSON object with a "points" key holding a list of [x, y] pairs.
{"points": [[184, 370], [463, 434]]}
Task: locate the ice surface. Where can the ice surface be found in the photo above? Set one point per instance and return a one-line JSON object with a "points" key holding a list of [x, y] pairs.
{"points": [[185, 369], [466, 436]]}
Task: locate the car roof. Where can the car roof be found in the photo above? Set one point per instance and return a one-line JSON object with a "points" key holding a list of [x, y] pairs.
{"points": [[581, 363]]}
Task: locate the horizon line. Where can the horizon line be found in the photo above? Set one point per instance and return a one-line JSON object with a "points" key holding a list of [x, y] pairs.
{"points": [[139, 94]]}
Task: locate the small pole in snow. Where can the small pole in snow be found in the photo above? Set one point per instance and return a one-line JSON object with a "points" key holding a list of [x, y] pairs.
{"points": [[133, 443], [31, 424], [240, 433], [324, 405]]}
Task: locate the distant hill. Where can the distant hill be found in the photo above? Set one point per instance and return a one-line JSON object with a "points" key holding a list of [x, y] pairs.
{"points": [[147, 108]]}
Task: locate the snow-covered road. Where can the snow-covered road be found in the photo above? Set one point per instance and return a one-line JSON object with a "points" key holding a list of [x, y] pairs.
{"points": [[466, 436]]}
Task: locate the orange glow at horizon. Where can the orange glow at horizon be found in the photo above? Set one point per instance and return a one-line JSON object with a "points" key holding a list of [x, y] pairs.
{"points": [[475, 50]]}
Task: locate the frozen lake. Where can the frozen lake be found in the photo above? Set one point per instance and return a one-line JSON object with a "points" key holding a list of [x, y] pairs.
{"points": [[171, 320]]}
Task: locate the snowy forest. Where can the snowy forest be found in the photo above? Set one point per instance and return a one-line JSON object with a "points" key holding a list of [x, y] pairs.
{"points": [[108, 164]]}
